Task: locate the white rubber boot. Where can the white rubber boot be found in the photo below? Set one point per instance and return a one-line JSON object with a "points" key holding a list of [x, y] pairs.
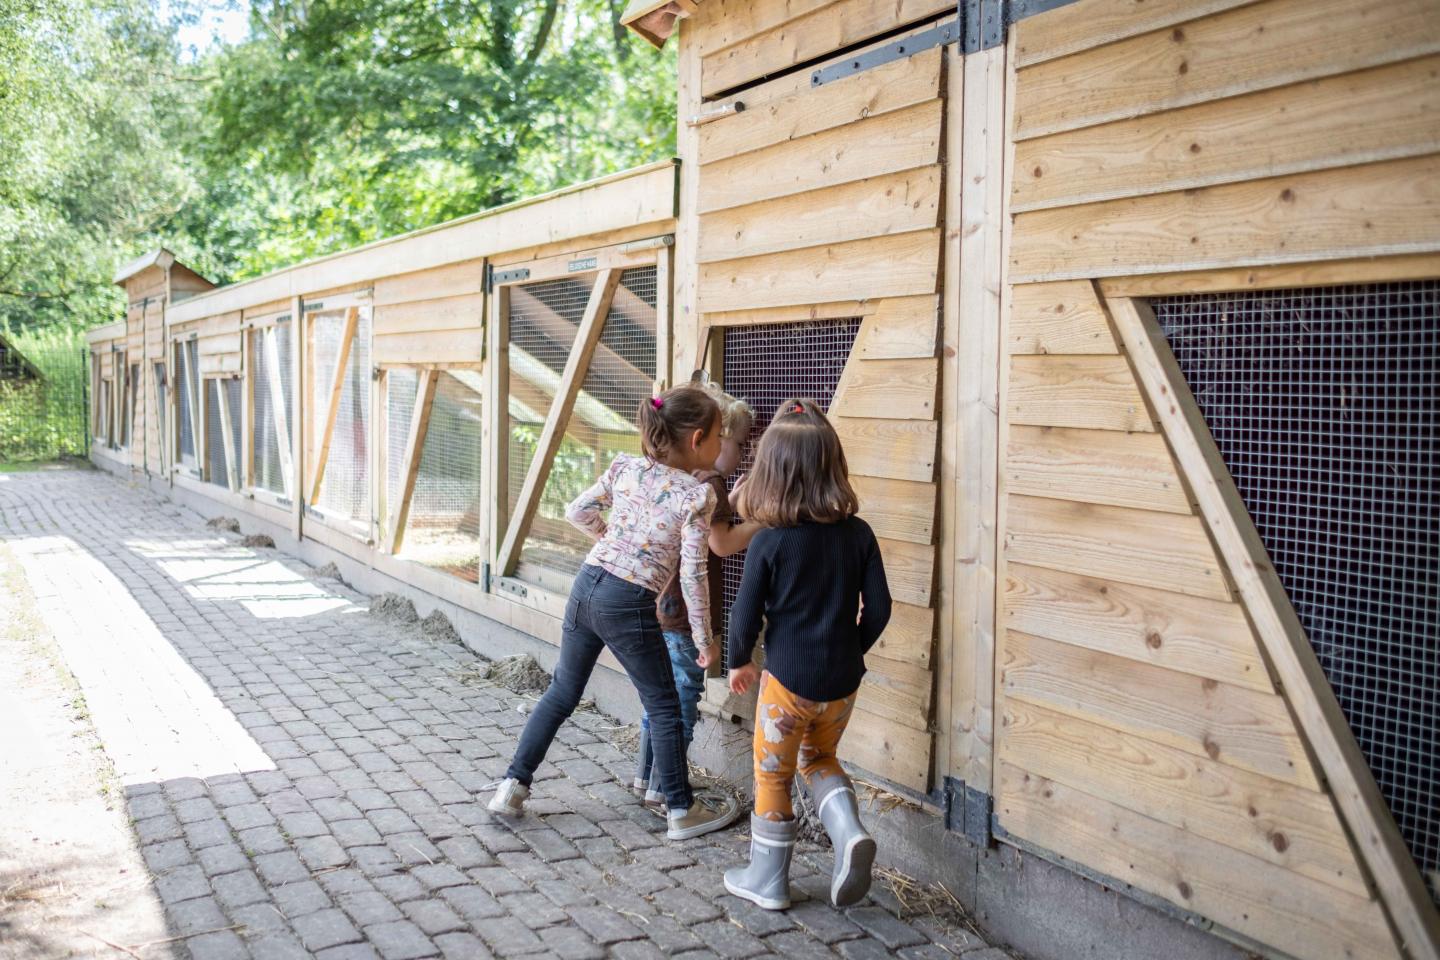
{"points": [[766, 881], [835, 803]]}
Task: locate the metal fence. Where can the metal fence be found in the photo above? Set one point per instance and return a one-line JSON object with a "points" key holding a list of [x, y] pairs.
{"points": [[44, 396]]}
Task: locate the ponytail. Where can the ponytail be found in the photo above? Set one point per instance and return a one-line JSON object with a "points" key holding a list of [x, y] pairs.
{"points": [[665, 420]]}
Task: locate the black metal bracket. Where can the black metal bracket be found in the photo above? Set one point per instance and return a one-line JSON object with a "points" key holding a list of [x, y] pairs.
{"points": [[494, 278], [947, 32], [968, 811]]}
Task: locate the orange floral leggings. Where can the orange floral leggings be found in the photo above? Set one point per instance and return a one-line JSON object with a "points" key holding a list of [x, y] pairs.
{"points": [[792, 732]]}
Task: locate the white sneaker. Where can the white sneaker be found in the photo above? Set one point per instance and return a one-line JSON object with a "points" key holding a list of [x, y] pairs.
{"points": [[510, 797]]}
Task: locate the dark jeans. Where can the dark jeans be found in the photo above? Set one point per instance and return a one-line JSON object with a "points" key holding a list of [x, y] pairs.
{"points": [[605, 611]]}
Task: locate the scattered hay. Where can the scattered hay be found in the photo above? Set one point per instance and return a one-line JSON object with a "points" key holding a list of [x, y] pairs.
{"points": [[926, 899], [438, 627], [809, 825], [228, 524], [257, 540], [393, 607], [330, 572], [518, 674]]}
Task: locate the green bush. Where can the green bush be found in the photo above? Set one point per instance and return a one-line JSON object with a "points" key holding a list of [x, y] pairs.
{"points": [[46, 419]]}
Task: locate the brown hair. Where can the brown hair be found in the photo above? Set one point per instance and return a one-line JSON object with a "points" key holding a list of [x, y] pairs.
{"points": [[736, 416], [666, 420], [800, 474]]}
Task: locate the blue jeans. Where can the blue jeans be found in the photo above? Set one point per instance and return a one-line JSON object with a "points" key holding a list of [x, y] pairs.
{"points": [[605, 611], [689, 684]]}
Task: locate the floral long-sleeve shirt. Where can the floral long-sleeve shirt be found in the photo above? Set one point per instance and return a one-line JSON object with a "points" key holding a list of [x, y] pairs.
{"points": [[659, 521]]}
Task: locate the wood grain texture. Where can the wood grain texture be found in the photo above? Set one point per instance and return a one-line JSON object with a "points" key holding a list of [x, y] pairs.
{"points": [[1267, 903], [1249, 48], [451, 280], [465, 312], [1207, 638], [1375, 209], [1378, 114], [888, 389], [1096, 393], [893, 449], [1417, 266], [894, 266], [903, 140], [1094, 466], [833, 27], [1283, 637], [438, 346], [1231, 725], [909, 636], [1142, 547], [897, 509], [893, 751], [900, 327], [910, 568], [893, 86], [1058, 32], [898, 691], [1289, 826], [875, 207], [718, 24], [1061, 317]]}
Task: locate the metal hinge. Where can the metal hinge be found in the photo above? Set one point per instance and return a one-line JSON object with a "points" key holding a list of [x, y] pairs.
{"points": [[947, 32], [968, 811], [494, 278]]}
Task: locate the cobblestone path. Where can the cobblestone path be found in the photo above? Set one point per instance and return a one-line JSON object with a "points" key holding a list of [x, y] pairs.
{"points": [[307, 780]]}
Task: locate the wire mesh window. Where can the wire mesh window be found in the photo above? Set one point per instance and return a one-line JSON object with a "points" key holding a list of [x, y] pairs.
{"points": [[159, 370], [345, 483], [442, 528], [401, 387], [132, 396], [235, 409], [271, 364], [186, 364], [1325, 404], [766, 365], [102, 406], [602, 423], [215, 470]]}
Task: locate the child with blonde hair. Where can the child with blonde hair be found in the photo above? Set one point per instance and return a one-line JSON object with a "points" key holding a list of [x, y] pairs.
{"points": [[805, 576]]}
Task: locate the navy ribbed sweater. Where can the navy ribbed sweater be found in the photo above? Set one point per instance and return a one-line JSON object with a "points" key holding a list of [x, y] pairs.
{"points": [[804, 584]]}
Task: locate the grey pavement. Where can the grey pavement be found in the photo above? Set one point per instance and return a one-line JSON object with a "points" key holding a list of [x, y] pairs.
{"points": [[305, 779]]}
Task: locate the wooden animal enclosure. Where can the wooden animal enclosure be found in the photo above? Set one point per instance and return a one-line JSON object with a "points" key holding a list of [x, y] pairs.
{"points": [[1041, 270]]}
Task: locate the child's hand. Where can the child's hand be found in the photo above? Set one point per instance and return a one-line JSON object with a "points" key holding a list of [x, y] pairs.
{"points": [[704, 656], [743, 678], [737, 496]]}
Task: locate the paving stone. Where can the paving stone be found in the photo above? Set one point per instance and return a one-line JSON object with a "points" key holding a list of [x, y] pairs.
{"points": [[258, 840], [343, 881], [181, 884], [220, 945], [298, 899], [355, 833], [369, 907], [433, 917], [391, 820], [534, 909], [950, 936], [758, 921], [165, 855], [728, 940], [824, 922], [297, 826], [670, 935], [604, 924], [147, 805], [349, 951], [246, 815], [685, 905], [336, 809], [799, 945], [327, 928], [282, 867], [637, 950], [640, 879], [472, 903], [509, 937], [276, 945], [196, 808], [207, 833], [201, 915], [437, 876], [222, 858], [549, 845], [400, 940], [156, 829], [413, 849], [239, 889], [462, 946], [570, 943], [884, 926], [374, 862], [320, 853], [864, 949]]}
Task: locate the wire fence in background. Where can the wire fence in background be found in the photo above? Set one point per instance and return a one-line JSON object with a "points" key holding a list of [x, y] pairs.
{"points": [[43, 395]]}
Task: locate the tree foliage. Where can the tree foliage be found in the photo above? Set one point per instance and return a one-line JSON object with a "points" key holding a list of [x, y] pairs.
{"points": [[334, 123]]}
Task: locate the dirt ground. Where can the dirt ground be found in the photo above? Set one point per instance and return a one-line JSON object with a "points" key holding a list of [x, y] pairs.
{"points": [[72, 883]]}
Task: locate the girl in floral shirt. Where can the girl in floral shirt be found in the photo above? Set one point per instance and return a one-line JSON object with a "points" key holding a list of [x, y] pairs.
{"points": [[659, 522]]}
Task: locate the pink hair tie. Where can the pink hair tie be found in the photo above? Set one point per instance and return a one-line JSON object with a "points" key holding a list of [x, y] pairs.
{"points": [[657, 402]]}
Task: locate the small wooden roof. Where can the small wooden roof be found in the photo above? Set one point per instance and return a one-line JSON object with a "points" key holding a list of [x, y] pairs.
{"points": [[160, 257], [655, 19]]}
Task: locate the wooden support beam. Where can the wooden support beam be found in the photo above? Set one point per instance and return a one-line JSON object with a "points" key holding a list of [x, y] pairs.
{"points": [[278, 406], [414, 446], [585, 341], [227, 437], [1308, 691], [332, 409]]}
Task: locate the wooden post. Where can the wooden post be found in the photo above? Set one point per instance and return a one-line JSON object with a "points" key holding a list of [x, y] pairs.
{"points": [[332, 410], [664, 351], [414, 447], [1305, 686], [497, 372], [579, 361], [296, 414]]}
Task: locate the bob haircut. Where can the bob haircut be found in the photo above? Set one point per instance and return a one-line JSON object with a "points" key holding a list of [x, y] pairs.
{"points": [[800, 474]]}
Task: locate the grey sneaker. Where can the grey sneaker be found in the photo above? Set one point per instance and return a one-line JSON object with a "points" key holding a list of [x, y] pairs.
{"points": [[510, 797], [654, 801], [707, 813]]}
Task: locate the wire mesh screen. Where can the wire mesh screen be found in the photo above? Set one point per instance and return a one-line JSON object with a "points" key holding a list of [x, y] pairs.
{"points": [[159, 369], [544, 319], [235, 407], [188, 402], [766, 365], [215, 470], [442, 529], [1325, 404], [602, 424], [400, 389], [270, 406], [345, 483]]}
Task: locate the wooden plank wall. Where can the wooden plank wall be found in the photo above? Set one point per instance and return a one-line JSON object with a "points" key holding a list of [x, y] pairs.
{"points": [[826, 202], [434, 316], [1140, 731]]}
